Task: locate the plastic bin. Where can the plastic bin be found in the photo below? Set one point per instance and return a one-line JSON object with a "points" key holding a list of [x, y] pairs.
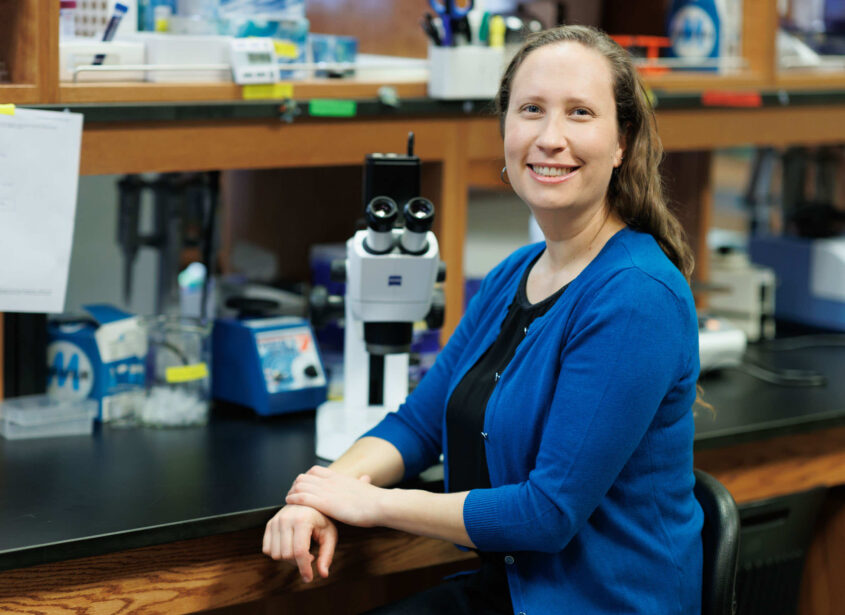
{"points": [[41, 416]]}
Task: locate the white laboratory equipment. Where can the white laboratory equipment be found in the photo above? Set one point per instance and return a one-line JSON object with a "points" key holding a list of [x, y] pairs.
{"points": [[390, 276]]}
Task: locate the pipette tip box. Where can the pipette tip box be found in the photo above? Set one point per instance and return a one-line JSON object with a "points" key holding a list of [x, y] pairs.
{"points": [[42, 416]]}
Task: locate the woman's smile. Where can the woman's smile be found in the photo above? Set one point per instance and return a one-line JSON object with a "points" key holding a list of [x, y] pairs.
{"points": [[551, 174]]}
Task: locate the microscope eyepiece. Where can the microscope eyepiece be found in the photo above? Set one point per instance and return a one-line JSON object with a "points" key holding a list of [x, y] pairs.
{"points": [[381, 214], [419, 216]]}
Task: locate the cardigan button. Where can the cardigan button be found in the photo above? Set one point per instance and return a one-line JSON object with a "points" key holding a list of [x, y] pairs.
{"points": [[496, 377], [509, 560], [484, 434]]}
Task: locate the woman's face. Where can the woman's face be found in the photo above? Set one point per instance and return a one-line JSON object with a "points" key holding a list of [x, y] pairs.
{"points": [[561, 138]]}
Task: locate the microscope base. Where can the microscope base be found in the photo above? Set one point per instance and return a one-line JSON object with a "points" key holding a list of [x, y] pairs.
{"points": [[339, 425]]}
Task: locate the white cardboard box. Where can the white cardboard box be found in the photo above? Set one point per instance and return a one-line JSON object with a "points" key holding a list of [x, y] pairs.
{"points": [[81, 52], [172, 49]]}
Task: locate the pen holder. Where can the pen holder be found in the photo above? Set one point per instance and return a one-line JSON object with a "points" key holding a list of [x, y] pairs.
{"points": [[465, 72]]}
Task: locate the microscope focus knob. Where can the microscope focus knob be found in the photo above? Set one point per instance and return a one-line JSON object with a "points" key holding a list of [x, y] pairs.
{"points": [[311, 371], [437, 312], [337, 273], [441, 271], [323, 307]]}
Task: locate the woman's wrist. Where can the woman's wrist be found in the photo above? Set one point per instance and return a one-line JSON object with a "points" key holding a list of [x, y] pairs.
{"points": [[387, 506]]}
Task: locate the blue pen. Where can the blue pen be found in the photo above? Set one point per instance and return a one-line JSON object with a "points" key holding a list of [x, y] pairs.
{"points": [[111, 28]]}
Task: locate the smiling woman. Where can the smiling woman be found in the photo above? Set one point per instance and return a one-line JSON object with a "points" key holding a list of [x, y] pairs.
{"points": [[561, 137], [634, 191], [562, 404]]}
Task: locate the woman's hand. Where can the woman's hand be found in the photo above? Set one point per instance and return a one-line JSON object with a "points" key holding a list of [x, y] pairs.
{"points": [[288, 536], [350, 500]]}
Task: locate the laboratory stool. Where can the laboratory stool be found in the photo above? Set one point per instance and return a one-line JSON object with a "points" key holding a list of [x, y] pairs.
{"points": [[720, 540]]}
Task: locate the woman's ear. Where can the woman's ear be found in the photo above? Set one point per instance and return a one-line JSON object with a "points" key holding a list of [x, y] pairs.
{"points": [[619, 154]]}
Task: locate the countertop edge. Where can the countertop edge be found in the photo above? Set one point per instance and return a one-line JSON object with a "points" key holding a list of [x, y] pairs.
{"points": [[134, 539]]}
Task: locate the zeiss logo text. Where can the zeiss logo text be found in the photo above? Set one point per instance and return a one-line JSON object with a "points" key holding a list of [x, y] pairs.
{"points": [[394, 280]]}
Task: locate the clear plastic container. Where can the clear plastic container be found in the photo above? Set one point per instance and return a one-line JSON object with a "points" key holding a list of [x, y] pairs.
{"points": [[67, 20], [178, 372], [42, 416]]}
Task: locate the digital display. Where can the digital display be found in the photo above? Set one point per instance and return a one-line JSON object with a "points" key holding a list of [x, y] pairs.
{"points": [[259, 58]]}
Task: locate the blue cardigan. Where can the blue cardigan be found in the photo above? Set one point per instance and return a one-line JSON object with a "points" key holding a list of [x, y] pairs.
{"points": [[589, 436]]}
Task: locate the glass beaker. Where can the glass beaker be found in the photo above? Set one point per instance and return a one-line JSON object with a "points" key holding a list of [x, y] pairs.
{"points": [[178, 372]]}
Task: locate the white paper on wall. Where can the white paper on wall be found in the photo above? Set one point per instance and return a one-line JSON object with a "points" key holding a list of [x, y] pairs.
{"points": [[39, 175]]}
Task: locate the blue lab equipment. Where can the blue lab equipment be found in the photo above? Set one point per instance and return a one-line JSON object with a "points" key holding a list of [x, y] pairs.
{"points": [[809, 277], [271, 365]]}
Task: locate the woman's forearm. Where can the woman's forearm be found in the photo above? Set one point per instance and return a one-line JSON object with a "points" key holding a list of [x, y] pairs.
{"points": [[436, 515], [373, 457]]}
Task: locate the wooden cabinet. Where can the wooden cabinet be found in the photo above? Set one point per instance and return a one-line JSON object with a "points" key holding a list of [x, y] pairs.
{"points": [[28, 51], [462, 150]]}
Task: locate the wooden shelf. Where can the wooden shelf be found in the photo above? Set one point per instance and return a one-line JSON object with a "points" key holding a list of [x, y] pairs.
{"points": [[684, 81], [19, 94], [811, 79], [128, 92], [119, 92]]}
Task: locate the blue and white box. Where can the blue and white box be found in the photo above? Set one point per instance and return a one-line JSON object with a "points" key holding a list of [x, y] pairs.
{"points": [[101, 359]]}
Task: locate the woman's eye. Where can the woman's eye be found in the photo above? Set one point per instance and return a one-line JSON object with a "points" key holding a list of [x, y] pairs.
{"points": [[531, 108], [582, 112]]}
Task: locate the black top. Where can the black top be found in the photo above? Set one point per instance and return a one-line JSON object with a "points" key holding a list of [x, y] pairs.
{"points": [[465, 412], [465, 422]]}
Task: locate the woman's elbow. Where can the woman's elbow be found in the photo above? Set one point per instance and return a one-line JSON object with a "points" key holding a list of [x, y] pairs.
{"points": [[553, 541]]}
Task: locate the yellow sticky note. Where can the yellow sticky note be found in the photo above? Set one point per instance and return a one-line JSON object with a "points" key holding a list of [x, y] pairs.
{"points": [[186, 373], [7, 109], [260, 91], [286, 49]]}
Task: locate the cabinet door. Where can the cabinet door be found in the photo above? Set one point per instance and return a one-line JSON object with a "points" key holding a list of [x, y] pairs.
{"points": [[28, 51]]}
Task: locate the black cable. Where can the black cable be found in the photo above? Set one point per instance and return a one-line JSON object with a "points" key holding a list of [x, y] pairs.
{"points": [[815, 340], [782, 377]]}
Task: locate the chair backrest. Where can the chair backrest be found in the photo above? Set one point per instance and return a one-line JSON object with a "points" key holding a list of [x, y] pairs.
{"points": [[720, 539]]}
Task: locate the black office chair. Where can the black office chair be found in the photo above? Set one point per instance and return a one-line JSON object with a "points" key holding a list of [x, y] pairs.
{"points": [[720, 538]]}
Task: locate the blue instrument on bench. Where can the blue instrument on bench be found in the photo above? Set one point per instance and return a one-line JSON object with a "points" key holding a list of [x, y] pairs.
{"points": [[269, 364]]}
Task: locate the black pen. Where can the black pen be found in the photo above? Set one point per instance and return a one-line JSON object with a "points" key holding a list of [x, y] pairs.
{"points": [[431, 30]]}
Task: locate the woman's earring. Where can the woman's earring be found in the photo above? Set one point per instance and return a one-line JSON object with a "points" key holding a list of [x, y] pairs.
{"points": [[502, 176]]}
